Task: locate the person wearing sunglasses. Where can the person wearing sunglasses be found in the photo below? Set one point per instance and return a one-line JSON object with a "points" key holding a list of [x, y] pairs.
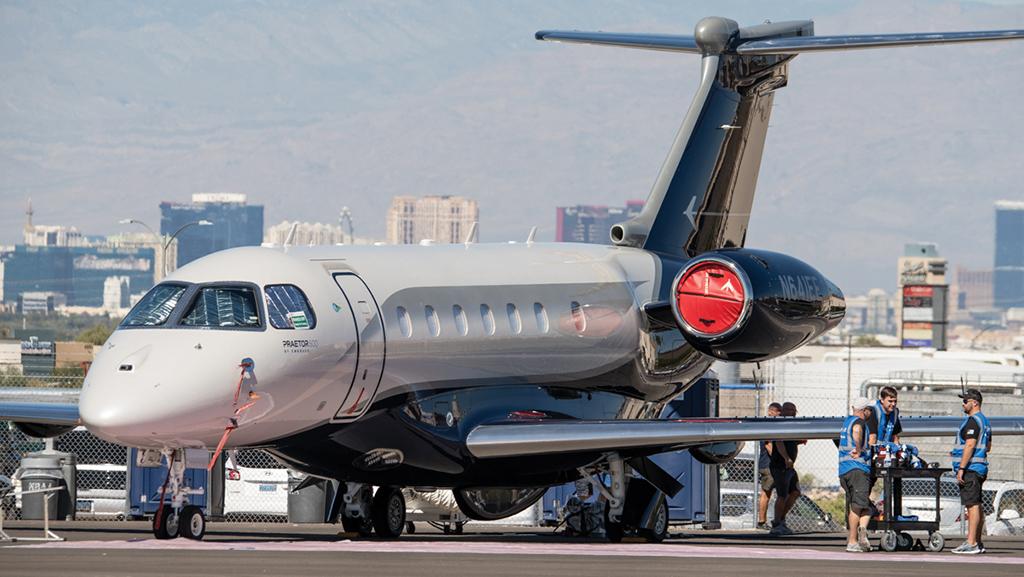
{"points": [[970, 461]]}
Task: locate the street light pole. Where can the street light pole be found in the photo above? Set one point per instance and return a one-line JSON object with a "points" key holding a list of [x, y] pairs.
{"points": [[160, 242]]}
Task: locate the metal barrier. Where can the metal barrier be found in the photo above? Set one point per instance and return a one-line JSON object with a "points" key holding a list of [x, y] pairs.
{"points": [[48, 535]]}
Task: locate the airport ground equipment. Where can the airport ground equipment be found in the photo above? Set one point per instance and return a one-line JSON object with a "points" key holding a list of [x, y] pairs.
{"points": [[894, 530], [46, 470]]}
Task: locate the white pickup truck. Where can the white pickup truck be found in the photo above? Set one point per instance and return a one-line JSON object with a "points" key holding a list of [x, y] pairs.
{"points": [[1002, 504]]}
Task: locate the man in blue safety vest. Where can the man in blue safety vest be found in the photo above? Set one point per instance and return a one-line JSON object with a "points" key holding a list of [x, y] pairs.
{"points": [[970, 461], [854, 475], [884, 422]]}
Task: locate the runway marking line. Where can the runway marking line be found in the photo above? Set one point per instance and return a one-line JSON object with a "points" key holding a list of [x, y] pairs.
{"points": [[474, 548]]}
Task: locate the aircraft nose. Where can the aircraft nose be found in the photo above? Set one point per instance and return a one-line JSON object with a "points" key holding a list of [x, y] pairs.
{"points": [[139, 413]]}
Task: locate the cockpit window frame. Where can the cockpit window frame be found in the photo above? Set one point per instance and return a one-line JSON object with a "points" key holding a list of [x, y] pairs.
{"points": [[190, 298], [312, 320], [171, 318], [187, 299]]}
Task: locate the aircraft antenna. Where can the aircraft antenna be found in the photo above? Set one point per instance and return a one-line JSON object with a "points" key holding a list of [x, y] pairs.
{"points": [[530, 237], [470, 238]]}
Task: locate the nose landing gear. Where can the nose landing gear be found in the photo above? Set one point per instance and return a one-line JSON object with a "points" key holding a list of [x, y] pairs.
{"points": [[178, 518]]}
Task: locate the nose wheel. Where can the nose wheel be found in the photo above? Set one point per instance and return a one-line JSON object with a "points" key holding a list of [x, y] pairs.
{"points": [[177, 518]]}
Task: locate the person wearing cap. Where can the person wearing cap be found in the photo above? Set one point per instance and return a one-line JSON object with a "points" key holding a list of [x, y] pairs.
{"points": [[854, 475], [970, 461], [884, 422], [765, 473]]}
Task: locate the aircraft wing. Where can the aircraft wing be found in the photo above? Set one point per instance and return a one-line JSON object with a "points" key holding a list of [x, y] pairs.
{"points": [[44, 406], [545, 437]]}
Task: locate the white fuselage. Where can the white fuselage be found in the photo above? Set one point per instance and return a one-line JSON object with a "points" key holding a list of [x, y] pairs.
{"points": [[453, 316]]}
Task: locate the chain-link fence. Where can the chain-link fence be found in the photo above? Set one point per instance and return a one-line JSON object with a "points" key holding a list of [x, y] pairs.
{"points": [[256, 487], [821, 506]]}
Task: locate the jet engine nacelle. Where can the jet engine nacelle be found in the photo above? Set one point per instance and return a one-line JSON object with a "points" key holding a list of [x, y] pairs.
{"points": [[717, 453], [491, 504], [747, 305]]}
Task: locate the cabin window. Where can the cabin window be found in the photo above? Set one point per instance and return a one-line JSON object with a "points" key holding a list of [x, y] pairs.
{"points": [[223, 307], [404, 322], [579, 318], [461, 323], [488, 319], [155, 308], [433, 323], [515, 324], [541, 317], [288, 308]]}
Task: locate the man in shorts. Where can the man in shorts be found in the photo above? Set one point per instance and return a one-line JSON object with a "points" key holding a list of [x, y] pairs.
{"points": [[854, 475], [970, 461], [764, 472], [787, 484]]}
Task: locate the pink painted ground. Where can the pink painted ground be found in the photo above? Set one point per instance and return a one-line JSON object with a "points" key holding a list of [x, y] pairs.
{"points": [[594, 549]]}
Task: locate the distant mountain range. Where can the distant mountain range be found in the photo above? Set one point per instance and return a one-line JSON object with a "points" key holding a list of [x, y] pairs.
{"points": [[107, 109]]}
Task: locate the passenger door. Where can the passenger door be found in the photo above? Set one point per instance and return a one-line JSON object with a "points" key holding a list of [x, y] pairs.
{"points": [[371, 346]]}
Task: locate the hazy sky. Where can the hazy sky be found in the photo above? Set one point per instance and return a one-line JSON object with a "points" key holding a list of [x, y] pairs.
{"points": [[107, 108]]}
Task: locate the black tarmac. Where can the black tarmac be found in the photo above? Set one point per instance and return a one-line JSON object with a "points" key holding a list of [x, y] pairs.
{"points": [[102, 548]]}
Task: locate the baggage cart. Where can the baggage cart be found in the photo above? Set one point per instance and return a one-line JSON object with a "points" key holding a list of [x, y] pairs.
{"points": [[894, 535]]}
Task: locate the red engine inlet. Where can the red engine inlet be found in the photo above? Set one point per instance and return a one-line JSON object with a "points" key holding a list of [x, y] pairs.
{"points": [[710, 299]]}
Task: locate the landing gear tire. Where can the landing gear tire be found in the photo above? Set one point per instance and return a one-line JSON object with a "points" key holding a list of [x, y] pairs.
{"points": [[360, 526], [410, 527], [613, 531], [935, 542], [165, 523], [904, 542], [192, 523], [659, 528], [888, 541], [388, 512]]}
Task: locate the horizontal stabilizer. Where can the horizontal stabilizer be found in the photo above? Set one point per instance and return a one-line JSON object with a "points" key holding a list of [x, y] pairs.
{"points": [[801, 44], [547, 437], [667, 42]]}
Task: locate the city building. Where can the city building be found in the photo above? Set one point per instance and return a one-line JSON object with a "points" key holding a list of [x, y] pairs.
{"points": [[148, 240], [77, 272], [973, 289], [306, 233], [923, 296], [1008, 289], [116, 293], [442, 219], [591, 223], [234, 223], [43, 302]]}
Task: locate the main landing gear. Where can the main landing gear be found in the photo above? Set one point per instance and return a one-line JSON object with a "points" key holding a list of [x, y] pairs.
{"points": [[365, 512], [634, 506], [175, 517]]}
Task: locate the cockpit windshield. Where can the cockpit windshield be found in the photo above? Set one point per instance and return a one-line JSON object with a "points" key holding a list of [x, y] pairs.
{"points": [[223, 306], [155, 308]]}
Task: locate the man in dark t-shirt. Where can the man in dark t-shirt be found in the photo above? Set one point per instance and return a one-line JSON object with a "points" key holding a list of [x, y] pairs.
{"points": [[787, 484]]}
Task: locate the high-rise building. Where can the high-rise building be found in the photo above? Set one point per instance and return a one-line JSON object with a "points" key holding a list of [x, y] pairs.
{"points": [[116, 293], [234, 223], [923, 297], [1008, 289], [973, 289], [591, 223], [442, 219], [77, 272]]}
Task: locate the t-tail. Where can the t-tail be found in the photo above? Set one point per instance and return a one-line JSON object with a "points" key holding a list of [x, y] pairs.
{"points": [[702, 197]]}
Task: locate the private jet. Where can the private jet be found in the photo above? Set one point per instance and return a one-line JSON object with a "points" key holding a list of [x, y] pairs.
{"points": [[496, 370]]}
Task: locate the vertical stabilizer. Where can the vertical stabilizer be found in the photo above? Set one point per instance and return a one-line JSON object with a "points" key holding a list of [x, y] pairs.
{"points": [[702, 197]]}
